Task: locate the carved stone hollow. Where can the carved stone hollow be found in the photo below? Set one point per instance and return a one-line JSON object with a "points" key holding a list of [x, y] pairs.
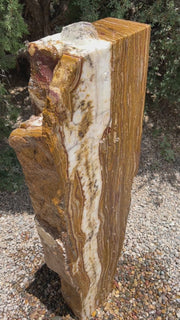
{"points": [[80, 154]]}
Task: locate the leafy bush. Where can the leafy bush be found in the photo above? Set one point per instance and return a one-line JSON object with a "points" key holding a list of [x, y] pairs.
{"points": [[11, 177], [164, 64], [12, 27], [166, 150], [8, 113]]}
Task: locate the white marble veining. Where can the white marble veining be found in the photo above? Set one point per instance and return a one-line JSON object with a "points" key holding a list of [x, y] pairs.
{"points": [[83, 153]]}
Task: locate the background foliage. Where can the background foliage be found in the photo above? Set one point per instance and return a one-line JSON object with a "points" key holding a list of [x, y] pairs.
{"points": [[12, 27], [32, 19]]}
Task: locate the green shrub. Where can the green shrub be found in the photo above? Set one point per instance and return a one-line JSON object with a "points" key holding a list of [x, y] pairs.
{"points": [[164, 64], [11, 177], [12, 27], [8, 113], [166, 150], [88, 9]]}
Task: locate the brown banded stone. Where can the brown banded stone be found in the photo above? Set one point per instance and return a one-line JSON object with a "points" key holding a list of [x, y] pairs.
{"points": [[80, 154]]}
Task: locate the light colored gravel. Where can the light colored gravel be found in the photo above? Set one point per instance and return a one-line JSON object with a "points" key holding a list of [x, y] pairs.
{"points": [[153, 223]]}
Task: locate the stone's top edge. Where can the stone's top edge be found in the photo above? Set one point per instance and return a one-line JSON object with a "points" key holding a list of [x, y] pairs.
{"points": [[77, 35], [79, 48], [113, 29], [79, 31], [82, 38], [137, 26]]}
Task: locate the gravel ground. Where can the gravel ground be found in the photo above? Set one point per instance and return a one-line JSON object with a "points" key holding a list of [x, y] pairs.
{"points": [[146, 283]]}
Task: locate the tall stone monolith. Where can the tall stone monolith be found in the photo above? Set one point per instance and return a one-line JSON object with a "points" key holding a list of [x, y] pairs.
{"points": [[80, 154]]}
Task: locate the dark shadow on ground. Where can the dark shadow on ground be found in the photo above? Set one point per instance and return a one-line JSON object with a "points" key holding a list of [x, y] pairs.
{"points": [[47, 288], [141, 288]]}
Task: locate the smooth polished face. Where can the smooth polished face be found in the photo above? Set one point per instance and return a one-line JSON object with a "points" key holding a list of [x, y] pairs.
{"points": [[77, 88], [81, 153]]}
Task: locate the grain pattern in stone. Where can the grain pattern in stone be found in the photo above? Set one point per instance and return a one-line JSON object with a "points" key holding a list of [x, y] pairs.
{"points": [[80, 154]]}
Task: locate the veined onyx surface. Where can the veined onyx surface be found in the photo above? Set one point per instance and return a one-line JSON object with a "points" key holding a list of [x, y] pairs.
{"points": [[81, 152]]}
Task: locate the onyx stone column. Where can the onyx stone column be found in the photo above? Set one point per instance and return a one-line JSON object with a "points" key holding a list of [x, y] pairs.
{"points": [[81, 151]]}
